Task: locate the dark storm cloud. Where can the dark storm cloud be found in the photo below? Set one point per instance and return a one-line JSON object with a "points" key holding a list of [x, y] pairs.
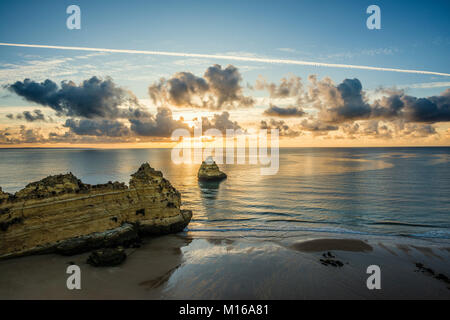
{"points": [[284, 112], [108, 128], [342, 103], [90, 99], [161, 125], [347, 102], [354, 106], [218, 88], [398, 105]]}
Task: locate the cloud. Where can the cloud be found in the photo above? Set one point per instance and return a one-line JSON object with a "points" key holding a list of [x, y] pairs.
{"points": [[291, 111], [399, 105], [346, 107], [347, 102], [288, 87], [24, 135], [181, 90], [426, 85], [108, 128], [90, 99], [283, 128], [317, 127], [225, 86], [340, 103], [35, 115], [161, 125], [217, 89], [99, 130], [220, 122], [415, 130], [377, 129]]}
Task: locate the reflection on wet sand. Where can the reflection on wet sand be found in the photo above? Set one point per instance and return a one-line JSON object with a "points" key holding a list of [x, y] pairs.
{"points": [[223, 269], [318, 245], [159, 280], [178, 267]]}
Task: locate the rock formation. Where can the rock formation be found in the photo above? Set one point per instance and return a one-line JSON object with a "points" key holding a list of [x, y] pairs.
{"points": [[107, 257], [62, 214], [209, 171]]}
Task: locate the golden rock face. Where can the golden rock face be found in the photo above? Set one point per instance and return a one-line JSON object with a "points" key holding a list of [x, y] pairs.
{"points": [[62, 212], [210, 172]]}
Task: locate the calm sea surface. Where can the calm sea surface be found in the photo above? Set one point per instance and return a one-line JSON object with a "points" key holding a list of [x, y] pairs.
{"points": [[399, 192]]}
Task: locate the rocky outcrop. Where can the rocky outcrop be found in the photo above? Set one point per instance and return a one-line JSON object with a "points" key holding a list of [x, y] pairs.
{"points": [[3, 196], [62, 214], [107, 257], [209, 171]]}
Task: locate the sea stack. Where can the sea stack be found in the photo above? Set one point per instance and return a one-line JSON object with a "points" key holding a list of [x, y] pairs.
{"points": [[64, 215], [209, 171]]}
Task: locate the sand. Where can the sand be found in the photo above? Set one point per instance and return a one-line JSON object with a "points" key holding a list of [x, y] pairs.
{"points": [[180, 267], [318, 245]]}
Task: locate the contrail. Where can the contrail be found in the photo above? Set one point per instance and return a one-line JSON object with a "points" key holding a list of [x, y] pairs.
{"points": [[229, 57]]}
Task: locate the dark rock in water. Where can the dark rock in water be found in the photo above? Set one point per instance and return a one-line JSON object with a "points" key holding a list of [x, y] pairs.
{"points": [[107, 257], [209, 171]]}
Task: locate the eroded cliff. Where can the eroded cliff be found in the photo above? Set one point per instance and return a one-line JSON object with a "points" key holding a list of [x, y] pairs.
{"points": [[60, 213]]}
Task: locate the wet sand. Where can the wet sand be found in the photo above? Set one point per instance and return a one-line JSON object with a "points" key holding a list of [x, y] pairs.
{"points": [[179, 267], [318, 245]]}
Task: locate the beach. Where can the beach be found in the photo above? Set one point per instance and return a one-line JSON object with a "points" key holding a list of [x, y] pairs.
{"points": [[182, 267], [309, 232]]}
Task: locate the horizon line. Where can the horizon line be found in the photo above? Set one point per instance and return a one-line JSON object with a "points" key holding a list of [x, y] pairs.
{"points": [[228, 57]]}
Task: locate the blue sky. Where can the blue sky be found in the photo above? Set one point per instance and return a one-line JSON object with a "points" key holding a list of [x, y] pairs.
{"points": [[414, 35]]}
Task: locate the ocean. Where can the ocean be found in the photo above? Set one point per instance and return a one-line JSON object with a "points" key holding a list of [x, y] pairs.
{"points": [[387, 192]]}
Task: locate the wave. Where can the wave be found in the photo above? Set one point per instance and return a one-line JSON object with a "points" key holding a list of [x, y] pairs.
{"points": [[435, 234], [405, 224]]}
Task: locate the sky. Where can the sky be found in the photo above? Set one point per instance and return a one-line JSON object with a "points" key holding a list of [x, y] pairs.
{"points": [[106, 99]]}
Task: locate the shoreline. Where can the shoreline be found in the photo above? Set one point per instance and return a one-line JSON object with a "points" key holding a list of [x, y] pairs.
{"points": [[184, 267]]}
